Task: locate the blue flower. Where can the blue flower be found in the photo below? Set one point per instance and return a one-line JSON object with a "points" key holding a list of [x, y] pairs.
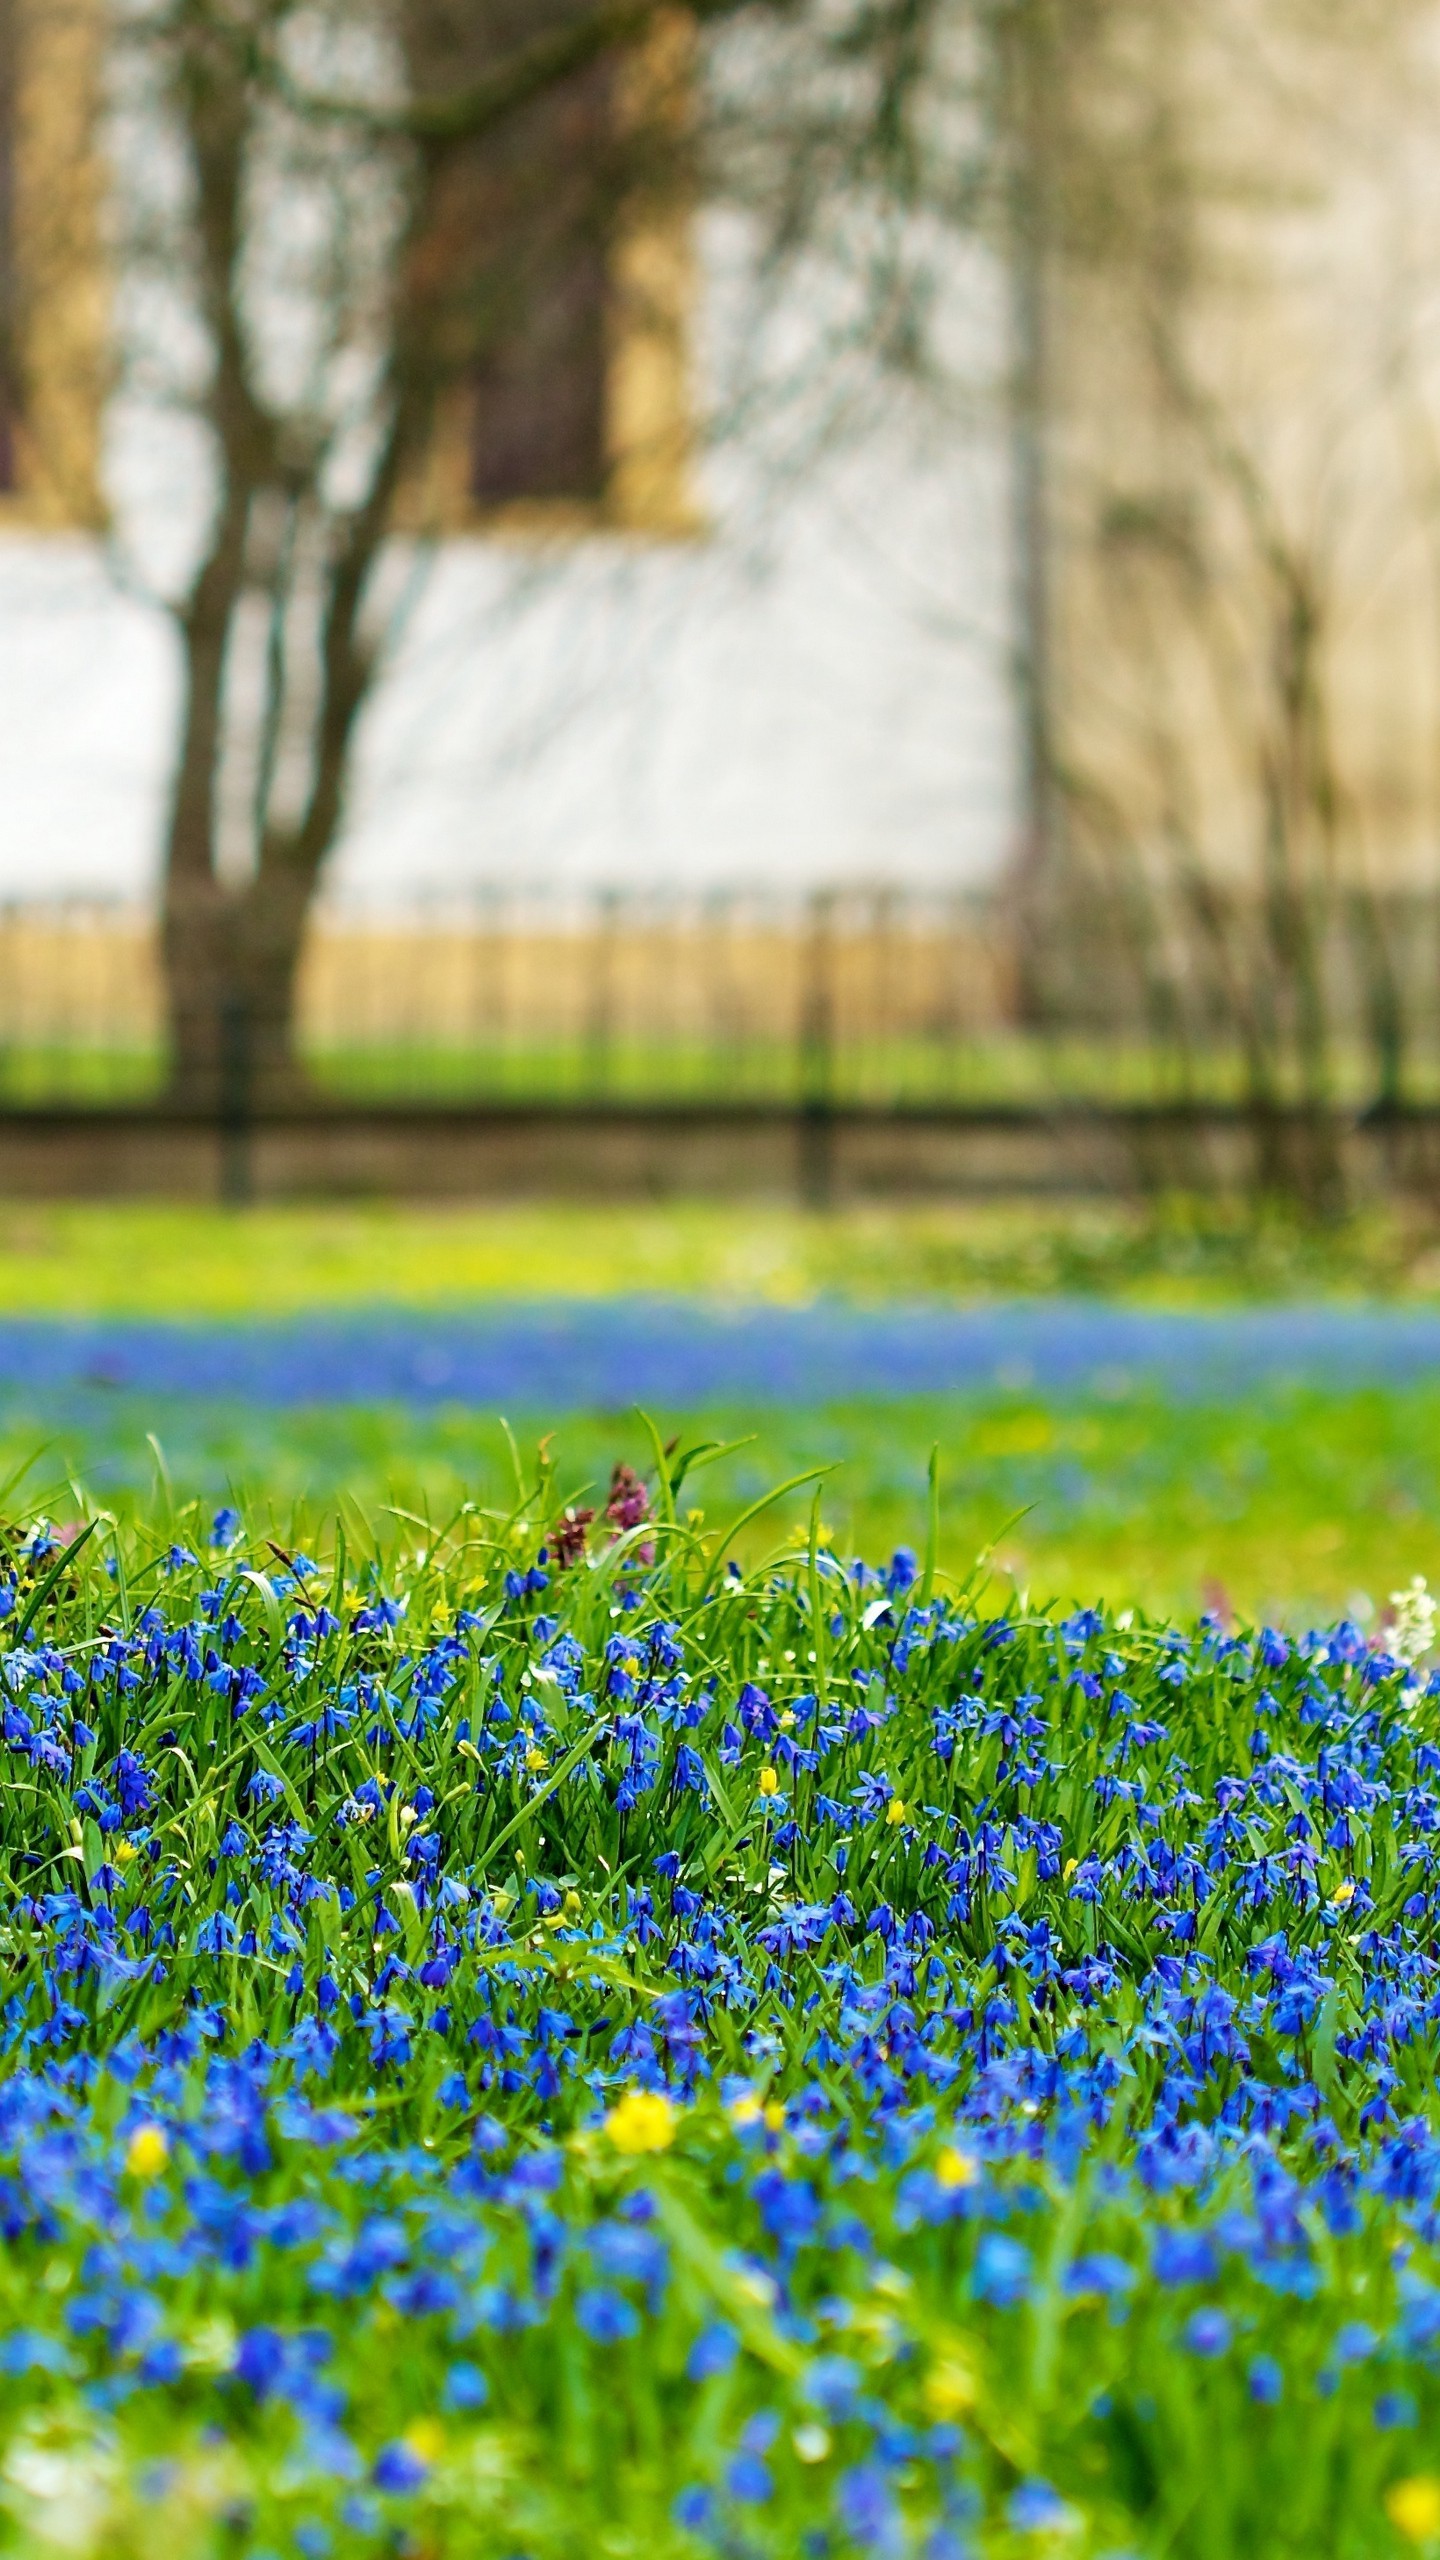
{"points": [[748, 2480], [1184, 2257], [398, 2469], [1207, 2333], [832, 2383], [605, 2315], [868, 2510], [465, 2387], [1002, 2270], [1036, 2508], [1395, 2409], [1102, 2274], [714, 2351]]}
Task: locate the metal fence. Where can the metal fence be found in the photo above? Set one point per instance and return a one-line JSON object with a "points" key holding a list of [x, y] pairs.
{"points": [[876, 998], [880, 998]]}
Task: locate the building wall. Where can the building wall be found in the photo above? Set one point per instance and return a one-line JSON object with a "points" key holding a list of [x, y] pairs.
{"points": [[1246, 447], [797, 674]]}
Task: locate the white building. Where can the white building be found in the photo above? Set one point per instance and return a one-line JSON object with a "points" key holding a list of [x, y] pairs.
{"points": [[813, 686]]}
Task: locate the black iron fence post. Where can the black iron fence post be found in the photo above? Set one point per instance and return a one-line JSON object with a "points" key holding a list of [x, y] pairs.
{"points": [[817, 1055], [237, 1171]]}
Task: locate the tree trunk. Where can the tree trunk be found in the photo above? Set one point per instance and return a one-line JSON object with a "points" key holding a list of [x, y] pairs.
{"points": [[232, 959]]}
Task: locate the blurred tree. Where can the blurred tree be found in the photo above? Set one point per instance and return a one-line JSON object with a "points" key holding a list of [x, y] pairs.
{"points": [[432, 261], [385, 219]]}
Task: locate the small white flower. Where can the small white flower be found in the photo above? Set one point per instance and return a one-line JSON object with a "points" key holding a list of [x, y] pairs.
{"points": [[1416, 1610]]}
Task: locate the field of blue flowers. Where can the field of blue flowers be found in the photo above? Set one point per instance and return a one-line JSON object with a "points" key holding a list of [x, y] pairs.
{"points": [[524, 2038]]}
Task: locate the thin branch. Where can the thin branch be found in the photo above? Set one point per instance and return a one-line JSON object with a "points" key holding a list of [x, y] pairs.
{"points": [[527, 74]]}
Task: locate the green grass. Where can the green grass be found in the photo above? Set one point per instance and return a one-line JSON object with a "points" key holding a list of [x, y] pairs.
{"points": [[1290, 1506], [1287, 1504], [154, 1259], [1004, 1070]]}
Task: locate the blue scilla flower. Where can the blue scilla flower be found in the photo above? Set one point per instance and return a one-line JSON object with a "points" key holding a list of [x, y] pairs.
{"points": [[1002, 2270], [1266, 2381], [605, 2315], [714, 2351], [30, 2351], [789, 2208], [465, 2387], [833, 2383], [1394, 2410], [1101, 2275], [1037, 2508], [1207, 2333], [260, 2361], [1355, 2343], [1184, 2257], [868, 2510], [398, 2469], [748, 2481]]}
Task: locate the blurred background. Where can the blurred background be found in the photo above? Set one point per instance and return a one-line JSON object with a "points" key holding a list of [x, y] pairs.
{"points": [[733, 706]]}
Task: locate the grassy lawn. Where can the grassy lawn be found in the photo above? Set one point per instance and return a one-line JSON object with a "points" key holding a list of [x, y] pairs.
{"points": [[183, 1261], [1286, 1503], [1294, 1506]]}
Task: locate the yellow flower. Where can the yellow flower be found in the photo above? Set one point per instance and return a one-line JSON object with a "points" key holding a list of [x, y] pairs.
{"points": [[955, 2169], [147, 2151], [643, 2120], [769, 1782], [949, 2389], [1345, 1892], [426, 2439], [746, 2110], [895, 1811], [124, 1853], [1413, 2507], [535, 1759], [787, 1720], [775, 2116]]}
